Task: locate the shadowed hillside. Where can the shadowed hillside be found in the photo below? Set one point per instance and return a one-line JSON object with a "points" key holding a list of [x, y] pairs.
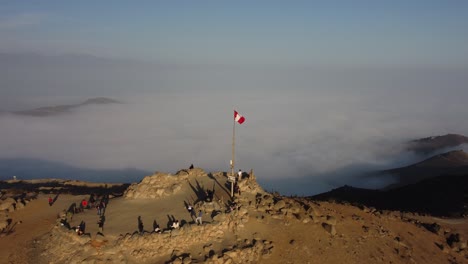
{"points": [[445, 195], [450, 163]]}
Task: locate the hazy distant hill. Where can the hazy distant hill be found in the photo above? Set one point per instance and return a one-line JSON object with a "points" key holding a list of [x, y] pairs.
{"points": [[25, 168], [450, 163], [61, 109], [100, 100], [431, 144], [445, 195]]}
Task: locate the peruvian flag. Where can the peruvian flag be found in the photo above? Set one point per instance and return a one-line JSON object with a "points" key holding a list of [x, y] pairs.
{"points": [[240, 119]]}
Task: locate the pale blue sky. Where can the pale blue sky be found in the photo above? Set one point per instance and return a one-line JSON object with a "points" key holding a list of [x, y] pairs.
{"points": [[243, 32]]}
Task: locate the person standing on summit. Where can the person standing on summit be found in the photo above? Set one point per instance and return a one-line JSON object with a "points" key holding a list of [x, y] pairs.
{"points": [[239, 175], [199, 218], [140, 226]]}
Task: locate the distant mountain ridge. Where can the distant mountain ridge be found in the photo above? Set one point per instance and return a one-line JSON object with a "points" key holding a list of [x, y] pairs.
{"points": [[28, 168], [437, 185], [453, 158], [450, 163], [445, 195], [61, 109], [453, 162], [432, 144]]}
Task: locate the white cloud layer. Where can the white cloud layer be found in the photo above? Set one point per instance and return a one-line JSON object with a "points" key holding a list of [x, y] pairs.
{"points": [[286, 135], [305, 131]]}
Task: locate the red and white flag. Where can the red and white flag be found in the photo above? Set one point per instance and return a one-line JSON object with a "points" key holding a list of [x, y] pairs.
{"points": [[240, 119]]}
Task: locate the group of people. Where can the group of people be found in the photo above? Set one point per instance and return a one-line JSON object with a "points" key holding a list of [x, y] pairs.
{"points": [[173, 223], [92, 202]]}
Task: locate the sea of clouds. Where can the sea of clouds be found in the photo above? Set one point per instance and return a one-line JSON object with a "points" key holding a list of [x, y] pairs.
{"points": [[305, 131]]}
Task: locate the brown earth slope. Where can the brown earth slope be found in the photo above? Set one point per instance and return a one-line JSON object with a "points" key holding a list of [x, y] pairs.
{"points": [[262, 228]]}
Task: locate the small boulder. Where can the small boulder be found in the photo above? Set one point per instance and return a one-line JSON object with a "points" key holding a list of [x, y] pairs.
{"points": [[279, 205], [331, 220], [329, 228]]}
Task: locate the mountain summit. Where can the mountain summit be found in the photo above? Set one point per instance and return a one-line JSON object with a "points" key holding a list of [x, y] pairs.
{"points": [[190, 217]]}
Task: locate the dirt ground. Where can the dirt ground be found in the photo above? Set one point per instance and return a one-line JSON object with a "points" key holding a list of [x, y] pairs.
{"points": [[30, 222], [361, 236]]}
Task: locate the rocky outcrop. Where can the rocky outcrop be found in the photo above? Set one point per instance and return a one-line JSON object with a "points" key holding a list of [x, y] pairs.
{"points": [[176, 246], [161, 184], [289, 210], [155, 186], [251, 252], [153, 246], [330, 225], [8, 205], [65, 246], [250, 185], [13, 202], [5, 221]]}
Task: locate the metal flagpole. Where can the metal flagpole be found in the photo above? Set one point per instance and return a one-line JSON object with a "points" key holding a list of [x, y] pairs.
{"points": [[233, 155]]}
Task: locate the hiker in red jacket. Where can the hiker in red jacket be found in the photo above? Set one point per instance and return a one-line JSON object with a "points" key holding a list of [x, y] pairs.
{"points": [[84, 204]]}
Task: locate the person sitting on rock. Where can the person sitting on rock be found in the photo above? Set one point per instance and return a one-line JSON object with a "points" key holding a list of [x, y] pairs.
{"points": [[63, 222], [232, 207], [81, 228], [209, 195], [191, 167], [157, 229], [175, 224]]}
